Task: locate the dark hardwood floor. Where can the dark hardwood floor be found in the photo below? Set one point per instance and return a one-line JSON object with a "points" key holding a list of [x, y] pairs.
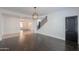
{"points": [[36, 42]]}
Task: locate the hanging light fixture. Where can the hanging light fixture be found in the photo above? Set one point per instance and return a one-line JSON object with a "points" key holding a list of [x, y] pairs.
{"points": [[35, 14]]}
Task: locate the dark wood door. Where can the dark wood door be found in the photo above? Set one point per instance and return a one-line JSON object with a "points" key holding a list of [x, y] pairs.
{"points": [[72, 29]]}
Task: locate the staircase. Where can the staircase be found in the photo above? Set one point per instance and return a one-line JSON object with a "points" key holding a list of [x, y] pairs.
{"points": [[41, 23]]}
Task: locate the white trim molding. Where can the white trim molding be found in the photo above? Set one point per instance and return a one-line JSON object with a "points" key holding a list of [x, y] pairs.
{"points": [[52, 36]]}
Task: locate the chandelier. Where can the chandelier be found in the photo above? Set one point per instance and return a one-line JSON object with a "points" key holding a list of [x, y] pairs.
{"points": [[35, 14]]}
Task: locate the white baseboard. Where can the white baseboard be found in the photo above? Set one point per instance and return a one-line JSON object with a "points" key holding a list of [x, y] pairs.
{"points": [[52, 36], [5, 36]]}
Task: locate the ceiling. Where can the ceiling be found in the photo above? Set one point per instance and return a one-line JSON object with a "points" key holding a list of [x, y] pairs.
{"points": [[29, 10]]}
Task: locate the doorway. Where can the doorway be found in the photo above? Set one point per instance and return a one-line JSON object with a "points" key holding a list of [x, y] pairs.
{"points": [[71, 30]]}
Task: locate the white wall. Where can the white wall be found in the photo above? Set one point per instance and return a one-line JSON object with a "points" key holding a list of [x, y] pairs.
{"points": [[55, 26], [1, 27], [11, 24]]}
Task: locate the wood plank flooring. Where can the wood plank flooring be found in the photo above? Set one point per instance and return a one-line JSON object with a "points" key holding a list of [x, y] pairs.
{"points": [[36, 42]]}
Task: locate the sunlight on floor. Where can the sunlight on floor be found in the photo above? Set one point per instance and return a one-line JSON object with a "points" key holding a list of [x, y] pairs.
{"points": [[25, 34]]}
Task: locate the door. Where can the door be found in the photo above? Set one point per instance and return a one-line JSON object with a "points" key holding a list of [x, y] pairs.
{"points": [[72, 29]]}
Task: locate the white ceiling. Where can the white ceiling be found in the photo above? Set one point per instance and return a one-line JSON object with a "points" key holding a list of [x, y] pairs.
{"points": [[29, 10]]}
